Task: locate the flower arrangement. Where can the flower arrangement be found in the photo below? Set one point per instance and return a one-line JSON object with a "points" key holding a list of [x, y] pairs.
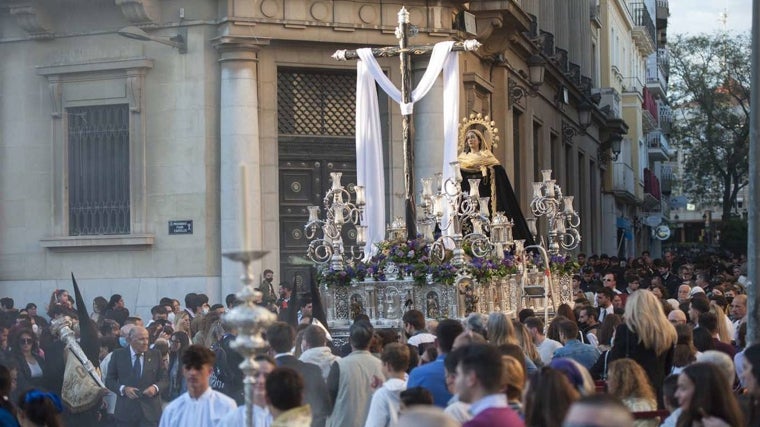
{"points": [[412, 257]]}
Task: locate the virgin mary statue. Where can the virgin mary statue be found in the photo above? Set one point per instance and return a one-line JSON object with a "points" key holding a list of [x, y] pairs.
{"points": [[477, 137]]}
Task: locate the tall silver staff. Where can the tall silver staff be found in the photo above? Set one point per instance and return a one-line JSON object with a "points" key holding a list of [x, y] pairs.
{"points": [[250, 319]]}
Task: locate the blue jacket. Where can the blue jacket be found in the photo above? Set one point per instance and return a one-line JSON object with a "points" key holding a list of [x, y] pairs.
{"points": [[585, 354], [432, 377]]}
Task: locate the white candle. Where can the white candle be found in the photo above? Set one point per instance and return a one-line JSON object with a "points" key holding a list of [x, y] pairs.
{"points": [[244, 210]]}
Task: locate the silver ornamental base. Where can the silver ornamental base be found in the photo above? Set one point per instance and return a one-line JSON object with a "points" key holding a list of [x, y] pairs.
{"points": [[250, 320]]}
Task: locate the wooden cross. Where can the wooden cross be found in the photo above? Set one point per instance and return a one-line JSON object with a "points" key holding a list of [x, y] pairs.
{"points": [[404, 52]]}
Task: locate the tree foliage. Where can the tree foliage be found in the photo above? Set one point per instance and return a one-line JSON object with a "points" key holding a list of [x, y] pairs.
{"points": [[709, 93]]}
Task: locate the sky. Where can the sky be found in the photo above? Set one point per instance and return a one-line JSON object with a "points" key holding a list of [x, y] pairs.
{"points": [[704, 16]]}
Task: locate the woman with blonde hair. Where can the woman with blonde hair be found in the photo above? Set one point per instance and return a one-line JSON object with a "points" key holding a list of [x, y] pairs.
{"points": [[647, 337], [500, 330], [514, 382], [526, 342], [725, 334], [627, 381], [182, 323]]}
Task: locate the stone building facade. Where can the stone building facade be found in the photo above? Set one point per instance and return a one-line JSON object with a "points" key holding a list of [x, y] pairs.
{"points": [[110, 146]]}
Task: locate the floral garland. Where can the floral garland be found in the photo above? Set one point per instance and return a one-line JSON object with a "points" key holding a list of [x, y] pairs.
{"points": [[413, 260]]}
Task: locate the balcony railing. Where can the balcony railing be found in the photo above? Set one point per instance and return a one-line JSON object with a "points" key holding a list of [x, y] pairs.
{"points": [[650, 105], [663, 60], [642, 18], [666, 117], [651, 185], [656, 78], [623, 182], [658, 146]]}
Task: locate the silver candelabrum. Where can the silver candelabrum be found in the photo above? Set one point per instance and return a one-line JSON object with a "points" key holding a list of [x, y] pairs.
{"points": [[450, 209], [250, 320], [563, 221], [340, 209]]}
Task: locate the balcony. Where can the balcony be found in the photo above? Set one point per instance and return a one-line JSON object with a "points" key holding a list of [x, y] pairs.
{"points": [[649, 112], [658, 146], [652, 194], [657, 81], [663, 60], [666, 115], [666, 183], [663, 11], [623, 182], [643, 28]]}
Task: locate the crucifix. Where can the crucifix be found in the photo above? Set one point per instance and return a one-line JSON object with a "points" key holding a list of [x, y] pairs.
{"points": [[404, 52]]}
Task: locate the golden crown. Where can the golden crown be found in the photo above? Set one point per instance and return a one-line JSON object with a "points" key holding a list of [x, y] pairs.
{"points": [[484, 126]]}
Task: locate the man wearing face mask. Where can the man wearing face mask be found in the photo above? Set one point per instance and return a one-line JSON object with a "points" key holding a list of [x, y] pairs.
{"points": [[269, 297], [202, 308], [110, 398]]}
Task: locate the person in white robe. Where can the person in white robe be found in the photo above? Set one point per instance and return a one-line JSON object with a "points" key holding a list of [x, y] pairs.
{"points": [[262, 417], [200, 405]]}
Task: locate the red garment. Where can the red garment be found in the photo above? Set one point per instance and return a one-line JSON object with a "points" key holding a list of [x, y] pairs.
{"points": [[502, 417]]}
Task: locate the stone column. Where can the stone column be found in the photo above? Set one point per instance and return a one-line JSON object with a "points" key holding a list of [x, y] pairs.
{"points": [[428, 126], [587, 52], [531, 7], [240, 147], [562, 24], [546, 16], [578, 21]]}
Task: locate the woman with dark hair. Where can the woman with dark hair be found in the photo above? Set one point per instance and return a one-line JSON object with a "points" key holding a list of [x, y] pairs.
{"points": [[750, 377], [567, 311], [99, 306], [704, 395], [548, 397], [178, 343], [116, 310], [685, 352], [40, 409], [7, 411], [25, 350]]}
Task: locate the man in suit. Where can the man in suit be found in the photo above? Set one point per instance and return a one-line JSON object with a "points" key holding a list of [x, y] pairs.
{"points": [[137, 376], [281, 337]]}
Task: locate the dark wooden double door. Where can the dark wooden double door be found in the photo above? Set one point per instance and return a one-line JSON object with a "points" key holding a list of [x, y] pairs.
{"points": [[305, 165]]}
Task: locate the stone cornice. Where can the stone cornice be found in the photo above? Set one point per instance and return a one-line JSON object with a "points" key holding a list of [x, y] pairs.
{"points": [[238, 48], [32, 18], [140, 12]]}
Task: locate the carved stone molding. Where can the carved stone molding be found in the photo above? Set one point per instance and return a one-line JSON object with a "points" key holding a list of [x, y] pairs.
{"points": [[239, 48], [135, 79], [55, 88], [33, 19], [141, 12]]}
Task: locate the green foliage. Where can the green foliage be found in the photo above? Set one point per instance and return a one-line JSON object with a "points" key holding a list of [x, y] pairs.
{"points": [[733, 235], [709, 93]]}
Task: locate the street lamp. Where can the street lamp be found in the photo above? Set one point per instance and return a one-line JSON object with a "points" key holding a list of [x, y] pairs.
{"points": [[179, 41]]}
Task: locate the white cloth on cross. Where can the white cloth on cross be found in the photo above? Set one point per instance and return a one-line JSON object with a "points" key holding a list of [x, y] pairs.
{"points": [[369, 152]]}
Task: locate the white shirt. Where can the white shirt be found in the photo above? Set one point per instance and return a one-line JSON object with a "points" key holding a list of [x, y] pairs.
{"points": [[458, 410], [261, 417], [208, 410], [490, 401], [546, 349], [422, 338], [385, 404]]}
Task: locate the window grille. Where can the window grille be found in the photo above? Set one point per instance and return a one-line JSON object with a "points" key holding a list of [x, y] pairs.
{"points": [[98, 138], [316, 102]]}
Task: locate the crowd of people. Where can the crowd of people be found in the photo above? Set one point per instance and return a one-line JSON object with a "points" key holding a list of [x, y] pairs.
{"points": [[646, 342]]}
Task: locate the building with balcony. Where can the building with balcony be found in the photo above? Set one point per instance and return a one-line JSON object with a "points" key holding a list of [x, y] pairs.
{"points": [[122, 158]]}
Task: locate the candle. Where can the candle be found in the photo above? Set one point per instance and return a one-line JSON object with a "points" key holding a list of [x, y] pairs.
{"points": [[569, 204], [427, 187], [457, 171], [474, 190], [360, 195], [244, 210]]}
